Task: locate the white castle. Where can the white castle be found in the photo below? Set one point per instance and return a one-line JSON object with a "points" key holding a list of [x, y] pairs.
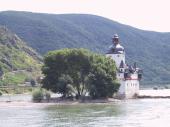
{"points": [[128, 76]]}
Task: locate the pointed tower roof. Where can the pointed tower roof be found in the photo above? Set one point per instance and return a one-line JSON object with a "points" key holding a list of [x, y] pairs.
{"points": [[122, 65]]}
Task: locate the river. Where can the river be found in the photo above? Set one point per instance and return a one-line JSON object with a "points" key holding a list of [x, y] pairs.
{"points": [[127, 113]]}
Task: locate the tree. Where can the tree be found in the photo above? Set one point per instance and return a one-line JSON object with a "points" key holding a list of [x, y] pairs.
{"points": [[102, 77], [78, 72], [64, 85]]}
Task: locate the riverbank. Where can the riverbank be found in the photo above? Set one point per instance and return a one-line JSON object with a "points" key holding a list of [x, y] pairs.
{"points": [[150, 93], [25, 100], [61, 102]]}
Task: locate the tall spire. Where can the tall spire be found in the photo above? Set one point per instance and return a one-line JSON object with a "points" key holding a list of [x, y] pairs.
{"points": [[121, 64]]}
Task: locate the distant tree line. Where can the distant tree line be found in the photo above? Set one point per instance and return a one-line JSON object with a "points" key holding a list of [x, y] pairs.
{"points": [[78, 73]]}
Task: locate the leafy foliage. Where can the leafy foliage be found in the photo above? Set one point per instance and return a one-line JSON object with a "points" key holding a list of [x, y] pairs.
{"points": [[101, 79], [40, 94], [76, 72], [46, 32], [37, 95], [12, 79], [64, 86]]}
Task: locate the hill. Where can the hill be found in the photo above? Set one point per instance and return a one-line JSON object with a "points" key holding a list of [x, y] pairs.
{"points": [[45, 32], [18, 62]]}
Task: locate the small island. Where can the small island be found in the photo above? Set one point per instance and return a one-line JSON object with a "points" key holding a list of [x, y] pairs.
{"points": [[79, 74]]}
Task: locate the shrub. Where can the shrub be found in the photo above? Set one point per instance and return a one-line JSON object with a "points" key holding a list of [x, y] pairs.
{"points": [[47, 95], [37, 95], [0, 93], [41, 94]]}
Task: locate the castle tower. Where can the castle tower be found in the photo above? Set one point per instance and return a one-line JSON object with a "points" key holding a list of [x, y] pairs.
{"points": [[116, 51], [128, 76]]}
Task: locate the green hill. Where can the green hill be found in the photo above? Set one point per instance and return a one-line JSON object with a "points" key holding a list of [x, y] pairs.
{"points": [[45, 32], [18, 62]]}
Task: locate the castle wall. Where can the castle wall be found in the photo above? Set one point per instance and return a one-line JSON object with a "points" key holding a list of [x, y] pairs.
{"points": [[117, 58], [131, 88], [128, 89]]}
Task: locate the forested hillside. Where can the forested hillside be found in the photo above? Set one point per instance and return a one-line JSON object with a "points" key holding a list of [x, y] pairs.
{"points": [[45, 32], [18, 62]]}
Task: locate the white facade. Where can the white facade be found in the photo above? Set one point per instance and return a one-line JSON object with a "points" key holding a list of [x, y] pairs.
{"points": [[128, 89], [128, 76], [117, 58]]}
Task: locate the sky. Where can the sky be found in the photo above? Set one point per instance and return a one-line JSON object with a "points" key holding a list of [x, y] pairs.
{"points": [[144, 14]]}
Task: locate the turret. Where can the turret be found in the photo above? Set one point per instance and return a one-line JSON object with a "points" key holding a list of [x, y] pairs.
{"points": [[122, 67], [116, 51]]}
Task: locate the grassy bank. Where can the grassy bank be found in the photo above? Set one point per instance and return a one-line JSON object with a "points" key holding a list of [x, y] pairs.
{"points": [[16, 89]]}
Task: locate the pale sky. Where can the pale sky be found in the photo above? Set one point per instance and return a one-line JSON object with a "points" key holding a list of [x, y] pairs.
{"points": [[144, 14]]}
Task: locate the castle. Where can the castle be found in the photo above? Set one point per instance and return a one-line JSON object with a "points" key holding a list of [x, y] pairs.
{"points": [[128, 76]]}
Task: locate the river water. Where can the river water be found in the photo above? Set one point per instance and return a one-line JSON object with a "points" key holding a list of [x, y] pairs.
{"points": [[127, 113]]}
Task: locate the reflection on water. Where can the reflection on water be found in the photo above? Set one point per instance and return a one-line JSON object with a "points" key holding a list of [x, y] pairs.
{"points": [[130, 113]]}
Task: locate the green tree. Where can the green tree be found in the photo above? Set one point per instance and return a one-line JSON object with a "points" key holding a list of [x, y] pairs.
{"points": [[64, 85], [79, 71], [102, 77]]}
